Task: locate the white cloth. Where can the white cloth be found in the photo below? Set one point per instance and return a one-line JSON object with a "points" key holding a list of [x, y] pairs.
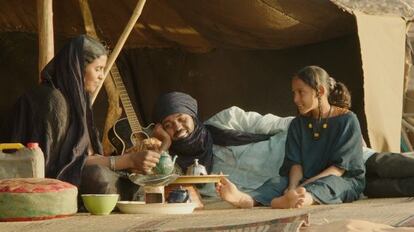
{"points": [[249, 166]]}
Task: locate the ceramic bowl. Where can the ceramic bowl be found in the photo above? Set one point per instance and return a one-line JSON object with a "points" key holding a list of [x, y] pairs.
{"points": [[139, 207], [100, 204]]}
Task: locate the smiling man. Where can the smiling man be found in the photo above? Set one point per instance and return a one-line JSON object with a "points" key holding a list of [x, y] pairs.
{"points": [[180, 130], [247, 146], [178, 126]]}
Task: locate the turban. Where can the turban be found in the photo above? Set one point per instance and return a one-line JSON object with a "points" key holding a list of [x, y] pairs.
{"points": [[199, 144], [172, 103]]}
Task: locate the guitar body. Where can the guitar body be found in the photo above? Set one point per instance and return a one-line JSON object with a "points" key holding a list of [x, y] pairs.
{"points": [[119, 136], [122, 138], [127, 132]]}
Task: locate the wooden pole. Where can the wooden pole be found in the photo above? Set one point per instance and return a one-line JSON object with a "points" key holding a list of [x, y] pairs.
{"points": [[114, 110], [88, 19], [132, 21], [45, 27]]}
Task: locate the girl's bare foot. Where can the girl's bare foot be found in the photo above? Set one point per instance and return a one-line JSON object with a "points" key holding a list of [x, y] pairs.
{"points": [[294, 198], [301, 193], [230, 193], [307, 197]]}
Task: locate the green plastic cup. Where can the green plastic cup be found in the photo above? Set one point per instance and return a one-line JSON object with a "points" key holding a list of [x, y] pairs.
{"points": [[100, 204]]}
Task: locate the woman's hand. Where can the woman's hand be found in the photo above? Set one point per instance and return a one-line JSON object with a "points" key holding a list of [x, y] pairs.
{"points": [[163, 136], [140, 162], [143, 161]]}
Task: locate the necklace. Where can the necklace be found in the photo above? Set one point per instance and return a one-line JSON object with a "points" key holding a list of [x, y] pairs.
{"points": [[316, 129]]}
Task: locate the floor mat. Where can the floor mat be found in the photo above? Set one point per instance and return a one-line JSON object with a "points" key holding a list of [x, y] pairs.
{"points": [[357, 226], [287, 224], [408, 222]]}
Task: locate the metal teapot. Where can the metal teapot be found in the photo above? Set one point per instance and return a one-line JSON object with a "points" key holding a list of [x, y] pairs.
{"points": [[196, 169], [166, 164]]}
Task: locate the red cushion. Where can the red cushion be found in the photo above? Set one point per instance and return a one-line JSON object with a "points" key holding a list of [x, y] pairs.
{"points": [[26, 199], [33, 185]]}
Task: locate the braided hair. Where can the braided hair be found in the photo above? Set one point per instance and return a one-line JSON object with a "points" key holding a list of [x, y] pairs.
{"points": [[314, 76]]}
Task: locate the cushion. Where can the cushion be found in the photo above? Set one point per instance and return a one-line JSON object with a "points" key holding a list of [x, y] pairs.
{"points": [[27, 199]]}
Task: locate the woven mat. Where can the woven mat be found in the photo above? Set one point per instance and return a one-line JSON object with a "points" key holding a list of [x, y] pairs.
{"points": [[357, 226], [409, 222], [219, 216], [287, 224]]}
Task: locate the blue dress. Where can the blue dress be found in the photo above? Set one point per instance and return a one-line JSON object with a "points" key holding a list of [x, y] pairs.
{"points": [[340, 145]]}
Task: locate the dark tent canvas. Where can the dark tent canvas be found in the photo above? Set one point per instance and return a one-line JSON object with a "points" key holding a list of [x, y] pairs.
{"points": [[232, 52]]}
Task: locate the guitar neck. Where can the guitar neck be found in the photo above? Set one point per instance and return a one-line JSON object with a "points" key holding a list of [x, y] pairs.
{"points": [[126, 102]]}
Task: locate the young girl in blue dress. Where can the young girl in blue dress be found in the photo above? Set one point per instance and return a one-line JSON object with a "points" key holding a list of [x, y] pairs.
{"points": [[323, 159]]}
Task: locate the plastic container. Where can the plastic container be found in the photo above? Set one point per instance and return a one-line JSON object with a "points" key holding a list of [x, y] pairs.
{"points": [[18, 161]]}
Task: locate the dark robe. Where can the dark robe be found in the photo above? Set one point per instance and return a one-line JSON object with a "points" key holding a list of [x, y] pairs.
{"points": [[340, 145], [57, 114]]}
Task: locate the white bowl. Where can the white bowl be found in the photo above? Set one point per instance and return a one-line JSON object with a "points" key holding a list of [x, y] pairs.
{"points": [[139, 207]]}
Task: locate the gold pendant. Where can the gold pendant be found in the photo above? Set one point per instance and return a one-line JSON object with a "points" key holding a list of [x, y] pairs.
{"points": [[316, 135], [325, 125], [310, 125]]}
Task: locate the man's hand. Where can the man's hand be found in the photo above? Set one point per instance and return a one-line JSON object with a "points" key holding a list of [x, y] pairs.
{"points": [[143, 161], [163, 136]]}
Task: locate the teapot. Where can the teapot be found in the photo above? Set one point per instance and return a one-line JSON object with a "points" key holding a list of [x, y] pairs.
{"points": [[166, 165], [196, 169], [179, 195]]}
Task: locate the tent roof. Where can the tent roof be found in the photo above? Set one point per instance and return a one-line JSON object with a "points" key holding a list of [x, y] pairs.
{"points": [[205, 24], [194, 25]]}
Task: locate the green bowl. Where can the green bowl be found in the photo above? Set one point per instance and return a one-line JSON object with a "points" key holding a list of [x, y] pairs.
{"points": [[100, 204]]}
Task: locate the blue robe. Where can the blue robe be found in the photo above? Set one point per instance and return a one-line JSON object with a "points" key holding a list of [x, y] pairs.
{"points": [[340, 145]]}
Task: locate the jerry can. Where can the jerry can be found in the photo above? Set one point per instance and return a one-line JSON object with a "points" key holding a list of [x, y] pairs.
{"points": [[23, 162]]}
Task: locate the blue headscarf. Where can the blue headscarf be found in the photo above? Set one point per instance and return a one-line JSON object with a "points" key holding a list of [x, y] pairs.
{"points": [[199, 145]]}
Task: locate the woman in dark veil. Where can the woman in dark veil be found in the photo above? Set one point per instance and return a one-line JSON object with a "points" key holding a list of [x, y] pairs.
{"points": [[58, 115]]}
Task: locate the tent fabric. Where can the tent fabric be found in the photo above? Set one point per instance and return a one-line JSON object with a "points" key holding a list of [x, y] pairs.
{"points": [[401, 8], [383, 77], [194, 25], [238, 29], [254, 80], [205, 24]]}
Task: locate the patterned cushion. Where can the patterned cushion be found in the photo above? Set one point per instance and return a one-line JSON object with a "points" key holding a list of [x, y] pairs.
{"points": [[24, 199]]}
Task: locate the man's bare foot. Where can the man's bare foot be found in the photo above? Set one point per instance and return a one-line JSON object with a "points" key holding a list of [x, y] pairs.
{"points": [[230, 193], [294, 198]]}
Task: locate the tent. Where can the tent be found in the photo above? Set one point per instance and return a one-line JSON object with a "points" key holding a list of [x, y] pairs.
{"points": [[233, 52]]}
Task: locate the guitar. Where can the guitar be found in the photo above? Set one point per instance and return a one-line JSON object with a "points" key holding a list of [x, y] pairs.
{"points": [[126, 132]]}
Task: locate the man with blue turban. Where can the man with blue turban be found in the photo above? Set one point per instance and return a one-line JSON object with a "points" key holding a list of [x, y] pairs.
{"points": [[176, 114], [247, 146]]}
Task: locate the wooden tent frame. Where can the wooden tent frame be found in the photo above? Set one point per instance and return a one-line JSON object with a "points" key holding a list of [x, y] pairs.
{"points": [[45, 27]]}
